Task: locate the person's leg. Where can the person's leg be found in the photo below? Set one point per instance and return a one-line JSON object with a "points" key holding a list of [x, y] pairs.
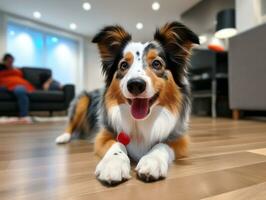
{"points": [[23, 100], [3, 89]]}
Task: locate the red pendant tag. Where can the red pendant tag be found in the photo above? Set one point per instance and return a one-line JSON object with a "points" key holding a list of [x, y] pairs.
{"points": [[123, 138]]}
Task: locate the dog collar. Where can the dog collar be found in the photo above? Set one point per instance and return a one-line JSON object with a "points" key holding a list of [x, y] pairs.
{"points": [[123, 138]]}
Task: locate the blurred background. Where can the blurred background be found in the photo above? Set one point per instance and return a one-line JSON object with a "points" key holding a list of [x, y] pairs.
{"points": [[227, 68]]}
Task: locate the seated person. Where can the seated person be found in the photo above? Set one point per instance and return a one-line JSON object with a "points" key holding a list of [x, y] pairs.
{"points": [[11, 79], [48, 83]]}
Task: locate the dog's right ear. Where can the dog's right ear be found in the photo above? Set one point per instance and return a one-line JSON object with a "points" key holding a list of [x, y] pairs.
{"points": [[111, 40]]}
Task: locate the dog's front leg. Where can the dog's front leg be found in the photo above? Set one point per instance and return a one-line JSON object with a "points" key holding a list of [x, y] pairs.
{"points": [[114, 167], [154, 165]]}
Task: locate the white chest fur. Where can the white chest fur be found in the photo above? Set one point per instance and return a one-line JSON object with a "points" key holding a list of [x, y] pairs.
{"points": [[145, 133]]}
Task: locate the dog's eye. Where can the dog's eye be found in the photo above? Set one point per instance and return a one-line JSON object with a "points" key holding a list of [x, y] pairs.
{"points": [[124, 66], [157, 65]]}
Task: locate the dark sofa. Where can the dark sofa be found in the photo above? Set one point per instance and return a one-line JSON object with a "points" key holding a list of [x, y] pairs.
{"points": [[40, 100]]}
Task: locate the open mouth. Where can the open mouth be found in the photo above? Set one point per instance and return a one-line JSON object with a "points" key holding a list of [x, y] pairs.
{"points": [[140, 107]]}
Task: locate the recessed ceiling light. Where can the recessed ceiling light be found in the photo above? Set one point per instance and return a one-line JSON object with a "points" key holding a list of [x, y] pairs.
{"points": [[73, 26], [139, 26], [37, 14], [155, 6], [86, 6]]}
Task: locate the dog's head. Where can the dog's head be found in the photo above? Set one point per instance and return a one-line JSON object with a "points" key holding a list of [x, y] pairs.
{"points": [[149, 74]]}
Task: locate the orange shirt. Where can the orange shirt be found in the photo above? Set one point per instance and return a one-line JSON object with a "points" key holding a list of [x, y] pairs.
{"points": [[14, 77]]}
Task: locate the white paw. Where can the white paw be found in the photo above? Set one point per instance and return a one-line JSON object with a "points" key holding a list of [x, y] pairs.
{"points": [[151, 168], [64, 138], [113, 169]]}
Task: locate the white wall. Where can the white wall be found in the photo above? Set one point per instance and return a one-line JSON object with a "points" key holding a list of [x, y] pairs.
{"points": [[93, 77], [248, 14]]}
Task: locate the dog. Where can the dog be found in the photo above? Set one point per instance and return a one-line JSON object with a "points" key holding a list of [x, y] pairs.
{"points": [[142, 114]]}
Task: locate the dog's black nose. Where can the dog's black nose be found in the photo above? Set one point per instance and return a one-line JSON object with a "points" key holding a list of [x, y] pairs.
{"points": [[136, 86]]}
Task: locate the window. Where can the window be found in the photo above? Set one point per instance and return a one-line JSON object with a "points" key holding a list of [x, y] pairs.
{"points": [[36, 48]]}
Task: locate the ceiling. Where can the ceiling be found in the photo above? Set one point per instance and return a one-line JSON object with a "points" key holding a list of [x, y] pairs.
{"points": [[61, 13]]}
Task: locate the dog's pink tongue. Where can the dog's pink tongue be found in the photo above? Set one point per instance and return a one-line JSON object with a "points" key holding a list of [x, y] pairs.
{"points": [[140, 108]]}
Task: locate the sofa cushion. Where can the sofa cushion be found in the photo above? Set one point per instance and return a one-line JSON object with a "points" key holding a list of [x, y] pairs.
{"points": [[33, 75], [47, 96], [6, 96]]}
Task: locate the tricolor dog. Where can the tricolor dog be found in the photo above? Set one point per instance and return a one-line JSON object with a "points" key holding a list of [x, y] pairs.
{"points": [[143, 112]]}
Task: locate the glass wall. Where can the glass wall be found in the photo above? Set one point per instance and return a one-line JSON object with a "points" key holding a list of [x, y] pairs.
{"points": [[36, 48]]}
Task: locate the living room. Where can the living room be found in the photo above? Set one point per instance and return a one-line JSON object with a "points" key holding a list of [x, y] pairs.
{"points": [[84, 82]]}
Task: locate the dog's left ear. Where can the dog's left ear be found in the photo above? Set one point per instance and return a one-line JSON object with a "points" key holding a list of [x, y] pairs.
{"points": [[174, 34], [177, 41]]}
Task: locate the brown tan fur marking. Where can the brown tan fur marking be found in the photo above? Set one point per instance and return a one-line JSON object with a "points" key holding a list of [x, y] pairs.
{"points": [[170, 95], [79, 115], [129, 57], [151, 55], [180, 146], [103, 141], [113, 95]]}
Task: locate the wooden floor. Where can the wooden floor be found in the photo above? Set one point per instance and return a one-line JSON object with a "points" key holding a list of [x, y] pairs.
{"points": [[227, 161]]}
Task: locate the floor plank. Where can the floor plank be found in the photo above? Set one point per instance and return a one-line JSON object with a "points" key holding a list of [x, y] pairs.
{"points": [[227, 161], [257, 192], [259, 151]]}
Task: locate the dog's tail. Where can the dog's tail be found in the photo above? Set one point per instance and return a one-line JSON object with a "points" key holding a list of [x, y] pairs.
{"points": [[83, 116]]}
